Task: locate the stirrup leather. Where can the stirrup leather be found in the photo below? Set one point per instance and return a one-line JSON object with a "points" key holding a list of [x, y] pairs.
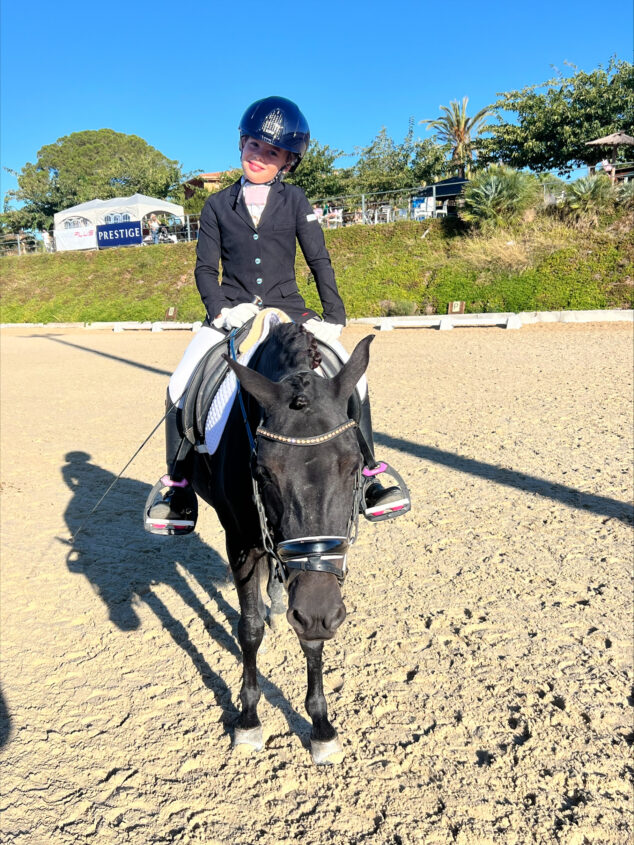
{"points": [[391, 509]]}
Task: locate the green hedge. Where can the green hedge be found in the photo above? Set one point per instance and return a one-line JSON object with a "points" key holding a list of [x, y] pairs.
{"points": [[395, 268]]}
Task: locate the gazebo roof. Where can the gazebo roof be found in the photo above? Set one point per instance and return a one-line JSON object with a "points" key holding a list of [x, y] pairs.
{"points": [[614, 140]]}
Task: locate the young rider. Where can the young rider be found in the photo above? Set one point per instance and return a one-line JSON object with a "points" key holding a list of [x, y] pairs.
{"points": [[252, 227]]}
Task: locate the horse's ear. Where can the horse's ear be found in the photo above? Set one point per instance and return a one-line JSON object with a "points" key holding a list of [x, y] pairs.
{"points": [[263, 390], [347, 377]]}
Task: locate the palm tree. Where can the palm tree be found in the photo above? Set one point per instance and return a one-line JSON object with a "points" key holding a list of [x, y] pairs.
{"points": [[455, 128]]}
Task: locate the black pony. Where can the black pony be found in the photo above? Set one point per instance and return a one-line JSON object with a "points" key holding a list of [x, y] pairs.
{"points": [[288, 500]]}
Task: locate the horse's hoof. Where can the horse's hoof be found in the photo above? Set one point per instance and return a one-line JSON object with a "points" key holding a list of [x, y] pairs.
{"points": [[326, 753], [249, 739]]}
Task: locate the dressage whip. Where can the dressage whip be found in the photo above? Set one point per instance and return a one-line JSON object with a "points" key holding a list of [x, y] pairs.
{"points": [[147, 439]]}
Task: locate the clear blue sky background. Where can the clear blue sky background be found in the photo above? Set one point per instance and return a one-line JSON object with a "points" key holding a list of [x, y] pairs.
{"points": [[180, 74]]}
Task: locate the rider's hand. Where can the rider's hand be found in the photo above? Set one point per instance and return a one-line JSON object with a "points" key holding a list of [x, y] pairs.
{"points": [[327, 332], [233, 318]]}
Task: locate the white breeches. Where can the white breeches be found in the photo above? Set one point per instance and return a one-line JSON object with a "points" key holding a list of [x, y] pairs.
{"points": [[201, 343]]}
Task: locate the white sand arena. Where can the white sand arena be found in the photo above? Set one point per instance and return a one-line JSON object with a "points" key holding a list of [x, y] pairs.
{"points": [[481, 683]]}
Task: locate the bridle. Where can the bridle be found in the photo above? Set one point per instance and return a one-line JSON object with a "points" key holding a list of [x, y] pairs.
{"points": [[324, 553]]}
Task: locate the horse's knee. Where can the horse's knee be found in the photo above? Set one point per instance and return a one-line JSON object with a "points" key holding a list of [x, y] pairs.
{"points": [[251, 630]]}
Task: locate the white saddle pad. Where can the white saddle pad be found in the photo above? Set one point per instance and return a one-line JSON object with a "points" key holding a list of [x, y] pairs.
{"points": [[228, 390]]}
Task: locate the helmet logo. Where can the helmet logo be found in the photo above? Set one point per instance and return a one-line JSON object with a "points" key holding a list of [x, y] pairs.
{"points": [[273, 124]]}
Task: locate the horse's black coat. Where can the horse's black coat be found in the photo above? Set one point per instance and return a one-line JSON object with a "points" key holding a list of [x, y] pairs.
{"points": [[307, 491]]}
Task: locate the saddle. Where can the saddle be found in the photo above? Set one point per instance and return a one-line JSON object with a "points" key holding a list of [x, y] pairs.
{"points": [[212, 370]]}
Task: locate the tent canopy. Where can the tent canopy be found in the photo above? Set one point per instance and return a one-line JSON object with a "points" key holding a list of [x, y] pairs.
{"points": [[137, 207]]}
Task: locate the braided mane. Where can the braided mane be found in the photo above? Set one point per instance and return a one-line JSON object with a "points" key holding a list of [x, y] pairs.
{"points": [[290, 348]]}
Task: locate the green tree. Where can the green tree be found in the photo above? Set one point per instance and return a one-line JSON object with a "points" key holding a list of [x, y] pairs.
{"points": [[550, 127], [96, 164], [316, 175], [458, 131], [387, 166]]}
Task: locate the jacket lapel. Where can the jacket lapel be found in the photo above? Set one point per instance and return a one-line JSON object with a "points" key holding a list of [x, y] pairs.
{"points": [[238, 204]]}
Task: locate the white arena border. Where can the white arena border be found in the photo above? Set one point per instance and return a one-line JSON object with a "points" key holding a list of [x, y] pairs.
{"points": [[442, 322]]}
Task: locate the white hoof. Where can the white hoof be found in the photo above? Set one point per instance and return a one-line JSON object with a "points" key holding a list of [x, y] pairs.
{"points": [[326, 753], [251, 738]]}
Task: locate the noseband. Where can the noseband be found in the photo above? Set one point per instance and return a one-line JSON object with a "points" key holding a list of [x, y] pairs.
{"points": [[327, 553]]}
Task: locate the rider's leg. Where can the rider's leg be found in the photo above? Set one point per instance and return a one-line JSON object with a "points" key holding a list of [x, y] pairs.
{"points": [[174, 508], [379, 500]]}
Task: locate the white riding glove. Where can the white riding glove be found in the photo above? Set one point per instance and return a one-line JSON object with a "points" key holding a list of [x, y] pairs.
{"points": [[326, 332], [233, 318]]}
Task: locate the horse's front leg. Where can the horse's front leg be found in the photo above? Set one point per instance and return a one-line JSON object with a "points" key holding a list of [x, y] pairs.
{"points": [[324, 742], [248, 729]]}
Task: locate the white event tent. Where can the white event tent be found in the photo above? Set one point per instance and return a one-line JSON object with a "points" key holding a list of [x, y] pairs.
{"points": [[76, 227]]}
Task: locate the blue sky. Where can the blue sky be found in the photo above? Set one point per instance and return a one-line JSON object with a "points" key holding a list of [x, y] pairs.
{"points": [[180, 75]]}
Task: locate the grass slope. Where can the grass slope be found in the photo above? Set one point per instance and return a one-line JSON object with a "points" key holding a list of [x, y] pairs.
{"points": [[396, 268]]}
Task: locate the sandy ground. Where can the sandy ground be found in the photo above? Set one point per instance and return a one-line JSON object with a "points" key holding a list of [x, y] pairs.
{"points": [[481, 683]]}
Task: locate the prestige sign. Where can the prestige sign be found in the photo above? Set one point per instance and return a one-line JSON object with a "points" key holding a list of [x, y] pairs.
{"points": [[119, 234]]}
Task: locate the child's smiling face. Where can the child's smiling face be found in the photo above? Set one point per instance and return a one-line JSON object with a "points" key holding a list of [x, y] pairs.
{"points": [[261, 161]]}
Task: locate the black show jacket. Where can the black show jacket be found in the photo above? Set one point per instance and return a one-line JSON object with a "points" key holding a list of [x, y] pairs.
{"points": [[260, 261]]}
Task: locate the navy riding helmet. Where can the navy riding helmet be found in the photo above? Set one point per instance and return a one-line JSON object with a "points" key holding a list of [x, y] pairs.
{"points": [[279, 122]]}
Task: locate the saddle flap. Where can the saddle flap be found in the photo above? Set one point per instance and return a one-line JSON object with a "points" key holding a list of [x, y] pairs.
{"points": [[205, 381]]}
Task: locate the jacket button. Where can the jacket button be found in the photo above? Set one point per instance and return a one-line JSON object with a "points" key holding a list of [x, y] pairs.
{"points": [[255, 237], [259, 281], [258, 260]]}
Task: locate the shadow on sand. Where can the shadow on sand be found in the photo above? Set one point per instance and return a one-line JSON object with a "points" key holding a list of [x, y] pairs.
{"points": [[569, 496], [124, 564]]}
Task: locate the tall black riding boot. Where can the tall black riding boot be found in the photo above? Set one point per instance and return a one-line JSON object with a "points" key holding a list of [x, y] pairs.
{"points": [[379, 502], [172, 507], [178, 449]]}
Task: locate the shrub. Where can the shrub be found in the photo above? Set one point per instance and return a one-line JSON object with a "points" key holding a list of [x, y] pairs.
{"points": [[589, 197], [500, 195], [398, 308], [625, 195]]}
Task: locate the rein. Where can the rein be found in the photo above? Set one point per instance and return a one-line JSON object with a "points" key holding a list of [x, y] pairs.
{"points": [[327, 553]]}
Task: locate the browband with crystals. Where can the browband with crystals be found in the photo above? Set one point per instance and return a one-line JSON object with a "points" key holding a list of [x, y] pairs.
{"points": [[306, 441]]}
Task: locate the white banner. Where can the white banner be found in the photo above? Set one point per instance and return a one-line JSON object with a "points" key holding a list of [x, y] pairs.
{"points": [[84, 237]]}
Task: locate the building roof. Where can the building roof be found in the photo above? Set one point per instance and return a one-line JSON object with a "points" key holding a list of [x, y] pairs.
{"points": [[445, 188], [613, 140]]}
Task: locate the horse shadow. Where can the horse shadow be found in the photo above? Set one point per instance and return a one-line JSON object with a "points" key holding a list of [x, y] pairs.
{"points": [[124, 564]]}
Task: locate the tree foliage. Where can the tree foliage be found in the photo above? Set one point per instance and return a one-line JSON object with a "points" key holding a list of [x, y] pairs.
{"points": [[551, 126], [387, 166], [95, 164], [458, 131], [317, 175]]}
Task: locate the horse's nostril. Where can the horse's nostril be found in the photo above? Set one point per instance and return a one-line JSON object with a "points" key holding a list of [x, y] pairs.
{"points": [[298, 620], [334, 619]]}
